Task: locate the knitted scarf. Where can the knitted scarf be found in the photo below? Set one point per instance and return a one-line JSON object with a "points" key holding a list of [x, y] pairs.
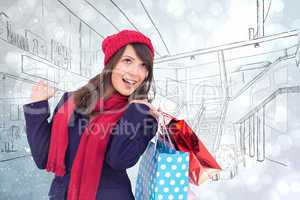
{"points": [[87, 166]]}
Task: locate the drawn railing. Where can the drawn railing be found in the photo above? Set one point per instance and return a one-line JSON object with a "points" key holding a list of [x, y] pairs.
{"points": [[256, 131]]}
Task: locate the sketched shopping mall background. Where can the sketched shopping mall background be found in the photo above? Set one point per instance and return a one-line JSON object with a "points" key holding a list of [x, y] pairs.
{"points": [[230, 68]]}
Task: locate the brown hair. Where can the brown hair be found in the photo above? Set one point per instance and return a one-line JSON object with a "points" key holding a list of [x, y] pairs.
{"points": [[85, 97]]}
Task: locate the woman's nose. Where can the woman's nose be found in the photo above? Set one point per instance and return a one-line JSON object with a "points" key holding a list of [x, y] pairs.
{"points": [[132, 75], [134, 71]]}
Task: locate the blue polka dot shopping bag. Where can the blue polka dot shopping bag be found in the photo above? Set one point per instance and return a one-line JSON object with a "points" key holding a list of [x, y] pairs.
{"points": [[163, 173]]}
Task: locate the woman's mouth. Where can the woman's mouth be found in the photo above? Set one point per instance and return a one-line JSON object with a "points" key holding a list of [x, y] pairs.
{"points": [[129, 82]]}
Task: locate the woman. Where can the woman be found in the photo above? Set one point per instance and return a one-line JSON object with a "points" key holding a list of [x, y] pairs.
{"points": [[99, 130]]}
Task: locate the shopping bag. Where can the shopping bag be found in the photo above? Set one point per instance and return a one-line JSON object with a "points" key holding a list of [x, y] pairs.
{"points": [[163, 172], [202, 165]]}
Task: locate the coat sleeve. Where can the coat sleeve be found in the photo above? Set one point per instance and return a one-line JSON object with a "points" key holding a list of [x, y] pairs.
{"points": [[130, 137], [38, 129]]}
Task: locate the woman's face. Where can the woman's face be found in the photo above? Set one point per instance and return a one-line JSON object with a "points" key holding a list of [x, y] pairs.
{"points": [[129, 73]]}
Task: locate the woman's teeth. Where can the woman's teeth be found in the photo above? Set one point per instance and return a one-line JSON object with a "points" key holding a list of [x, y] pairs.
{"points": [[129, 81]]}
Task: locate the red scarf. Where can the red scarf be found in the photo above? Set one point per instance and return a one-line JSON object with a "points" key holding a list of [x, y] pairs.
{"points": [[87, 166]]}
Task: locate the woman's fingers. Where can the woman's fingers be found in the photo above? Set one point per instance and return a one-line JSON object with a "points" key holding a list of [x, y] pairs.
{"points": [[41, 91], [154, 113]]}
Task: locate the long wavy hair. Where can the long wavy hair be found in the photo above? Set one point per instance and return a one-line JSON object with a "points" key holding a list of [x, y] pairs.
{"points": [[86, 96]]}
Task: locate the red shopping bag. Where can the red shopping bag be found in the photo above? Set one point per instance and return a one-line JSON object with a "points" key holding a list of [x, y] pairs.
{"points": [[202, 163]]}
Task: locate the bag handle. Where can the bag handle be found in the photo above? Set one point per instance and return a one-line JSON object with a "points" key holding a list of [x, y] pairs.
{"points": [[166, 115], [162, 130]]}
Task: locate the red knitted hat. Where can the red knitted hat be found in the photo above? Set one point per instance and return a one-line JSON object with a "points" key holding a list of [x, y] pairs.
{"points": [[111, 44]]}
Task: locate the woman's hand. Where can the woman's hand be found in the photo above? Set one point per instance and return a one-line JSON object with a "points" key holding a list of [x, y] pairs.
{"points": [[41, 91], [153, 111]]}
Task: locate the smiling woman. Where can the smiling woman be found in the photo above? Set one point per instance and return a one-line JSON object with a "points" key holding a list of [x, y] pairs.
{"points": [[89, 160], [129, 72]]}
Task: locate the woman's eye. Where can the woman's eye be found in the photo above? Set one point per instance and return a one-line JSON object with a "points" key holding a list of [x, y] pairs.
{"points": [[128, 61]]}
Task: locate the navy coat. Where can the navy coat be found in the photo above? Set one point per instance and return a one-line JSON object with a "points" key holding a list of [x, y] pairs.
{"points": [[128, 141]]}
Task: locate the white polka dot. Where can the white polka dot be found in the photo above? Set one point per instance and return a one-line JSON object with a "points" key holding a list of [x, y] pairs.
{"points": [[176, 189], [163, 167], [172, 182], [159, 158], [182, 182], [186, 174], [178, 174], [170, 197], [179, 159], [173, 167], [183, 166], [156, 189], [167, 174], [161, 182], [160, 197], [187, 158], [185, 189], [180, 196], [166, 189], [169, 159], [157, 174]]}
